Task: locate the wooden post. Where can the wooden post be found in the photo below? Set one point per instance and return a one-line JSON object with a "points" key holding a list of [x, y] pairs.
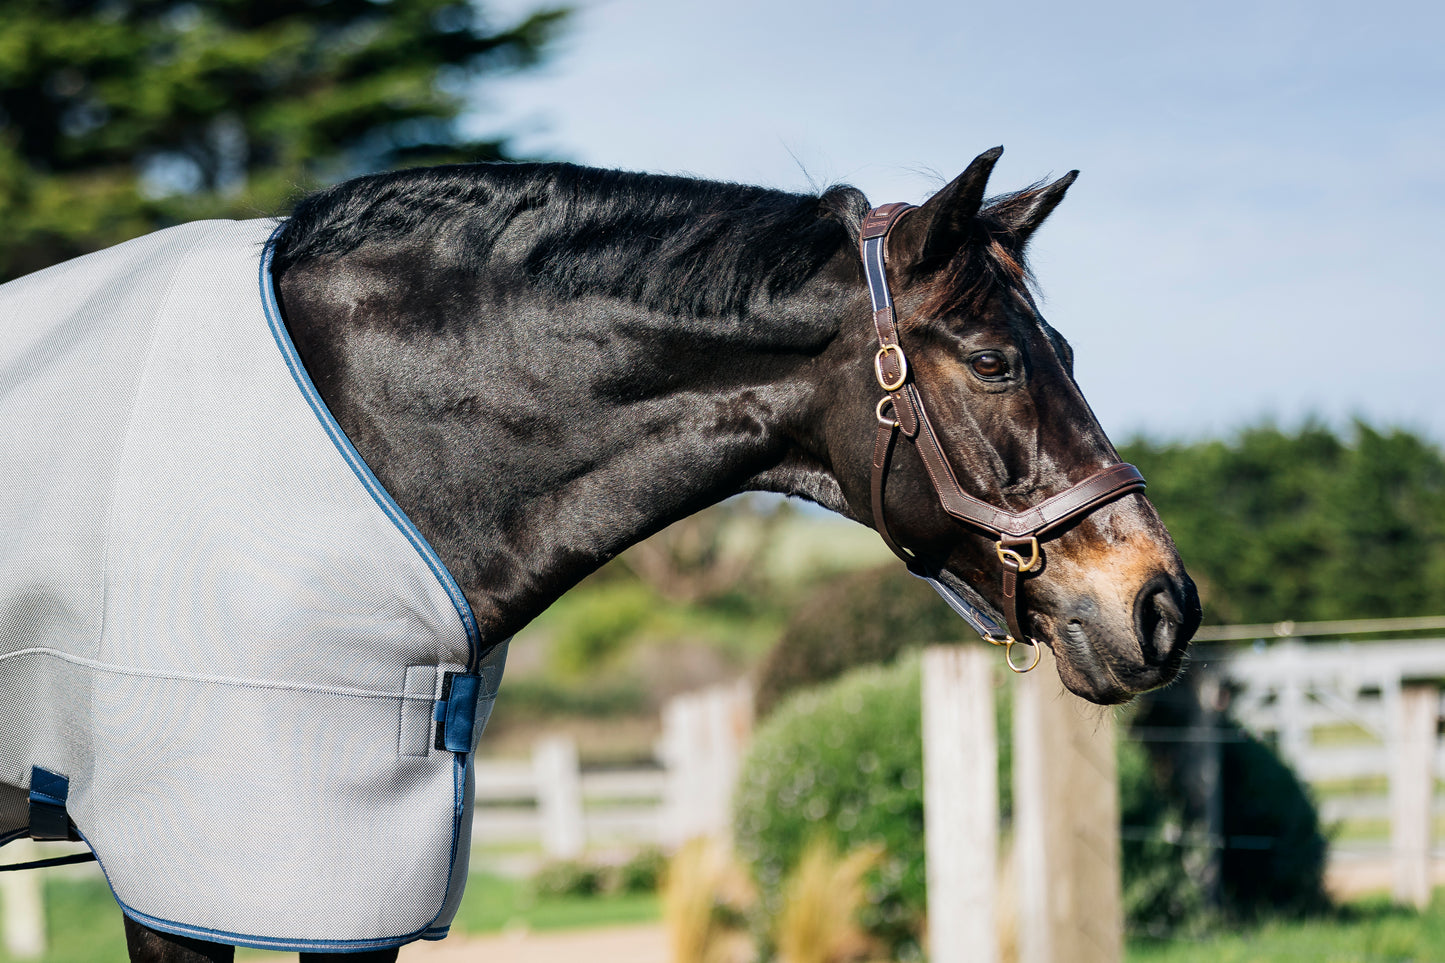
{"points": [[1066, 824], [559, 796], [703, 737], [23, 906], [681, 748], [727, 723], [1207, 729], [960, 803], [1412, 793]]}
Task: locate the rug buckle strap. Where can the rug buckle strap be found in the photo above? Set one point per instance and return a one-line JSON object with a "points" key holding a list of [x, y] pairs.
{"points": [[48, 818], [456, 711]]}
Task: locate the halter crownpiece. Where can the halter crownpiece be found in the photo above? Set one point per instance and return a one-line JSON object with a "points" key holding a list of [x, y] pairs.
{"points": [[1017, 534]]}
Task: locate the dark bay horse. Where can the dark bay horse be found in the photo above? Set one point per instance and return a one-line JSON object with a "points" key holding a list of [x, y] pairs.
{"points": [[544, 364]]}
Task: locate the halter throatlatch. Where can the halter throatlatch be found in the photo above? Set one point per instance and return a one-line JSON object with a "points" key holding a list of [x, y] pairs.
{"points": [[1017, 534]]}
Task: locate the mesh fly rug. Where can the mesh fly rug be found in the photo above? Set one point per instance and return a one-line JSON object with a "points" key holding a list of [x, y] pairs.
{"points": [[228, 661]]}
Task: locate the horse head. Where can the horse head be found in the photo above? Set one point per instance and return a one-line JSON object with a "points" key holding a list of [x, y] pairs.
{"points": [[1000, 423]]}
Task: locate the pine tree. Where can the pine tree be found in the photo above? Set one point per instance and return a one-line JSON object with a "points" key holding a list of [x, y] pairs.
{"points": [[118, 117]]}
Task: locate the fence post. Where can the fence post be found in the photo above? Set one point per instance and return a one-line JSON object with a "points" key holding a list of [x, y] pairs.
{"points": [[1412, 792], [1066, 824], [960, 803], [728, 723], [23, 906], [703, 737], [559, 796], [681, 749]]}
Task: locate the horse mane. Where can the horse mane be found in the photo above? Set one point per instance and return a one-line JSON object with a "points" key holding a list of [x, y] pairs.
{"points": [[674, 244]]}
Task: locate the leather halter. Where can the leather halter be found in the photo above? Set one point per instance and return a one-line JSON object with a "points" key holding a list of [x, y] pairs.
{"points": [[1017, 534]]}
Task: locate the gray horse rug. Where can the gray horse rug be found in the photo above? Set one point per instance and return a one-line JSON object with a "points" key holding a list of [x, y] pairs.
{"points": [[228, 661]]}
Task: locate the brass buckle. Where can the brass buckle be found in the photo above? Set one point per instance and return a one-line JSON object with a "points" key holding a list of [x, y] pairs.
{"points": [[886, 422], [902, 367], [1006, 553], [1008, 642]]}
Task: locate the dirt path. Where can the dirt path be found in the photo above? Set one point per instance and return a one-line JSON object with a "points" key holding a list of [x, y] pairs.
{"points": [[613, 944]]}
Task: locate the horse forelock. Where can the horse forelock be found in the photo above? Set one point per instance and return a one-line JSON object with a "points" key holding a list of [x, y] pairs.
{"points": [[990, 263]]}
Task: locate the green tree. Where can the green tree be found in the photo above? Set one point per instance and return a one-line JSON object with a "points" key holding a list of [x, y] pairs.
{"points": [[1305, 525], [121, 116]]}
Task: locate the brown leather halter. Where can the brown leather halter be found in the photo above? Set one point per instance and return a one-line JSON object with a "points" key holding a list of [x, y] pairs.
{"points": [[1018, 533]]}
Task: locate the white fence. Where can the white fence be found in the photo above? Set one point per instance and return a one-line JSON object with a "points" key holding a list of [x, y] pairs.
{"points": [[1289, 691], [1361, 713], [550, 801]]}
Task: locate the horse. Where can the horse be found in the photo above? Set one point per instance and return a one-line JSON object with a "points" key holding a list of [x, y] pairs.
{"points": [[543, 364]]}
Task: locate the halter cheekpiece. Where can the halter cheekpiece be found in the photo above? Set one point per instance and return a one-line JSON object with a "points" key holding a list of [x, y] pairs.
{"points": [[1017, 535]]}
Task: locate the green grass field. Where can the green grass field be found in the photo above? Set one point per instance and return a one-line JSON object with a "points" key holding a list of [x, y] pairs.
{"points": [[83, 923], [1369, 931], [85, 927]]}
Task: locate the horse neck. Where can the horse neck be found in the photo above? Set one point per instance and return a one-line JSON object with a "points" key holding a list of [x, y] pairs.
{"points": [[531, 440]]}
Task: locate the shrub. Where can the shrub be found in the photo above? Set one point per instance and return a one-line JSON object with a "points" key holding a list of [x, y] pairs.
{"points": [[642, 873], [1275, 859], [857, 619], [842, 763], [1160, 894], [1265, 804], [568, 878], [574, 877], [597, 625]]}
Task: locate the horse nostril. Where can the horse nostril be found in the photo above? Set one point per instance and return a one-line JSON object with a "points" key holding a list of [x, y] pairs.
{"points": [[1158, 617]]}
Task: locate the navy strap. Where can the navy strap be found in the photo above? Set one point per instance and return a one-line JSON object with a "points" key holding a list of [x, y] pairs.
{"points": [[48, 819], [456, 711], [53, 861], [48, 792]]}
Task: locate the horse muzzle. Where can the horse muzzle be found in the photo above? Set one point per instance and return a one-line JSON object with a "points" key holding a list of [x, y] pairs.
{"points": [[1108, 656]]}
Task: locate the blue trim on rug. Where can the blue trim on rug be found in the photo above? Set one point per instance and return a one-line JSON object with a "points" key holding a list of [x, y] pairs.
{"points": [[353, 458], [461, 769]]}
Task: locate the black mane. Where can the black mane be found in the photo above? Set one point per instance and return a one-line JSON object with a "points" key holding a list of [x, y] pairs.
{"points": [[673, 244]]}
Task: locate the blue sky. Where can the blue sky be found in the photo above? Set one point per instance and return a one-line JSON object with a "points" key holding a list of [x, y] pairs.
{"points": [[1257, 232]]}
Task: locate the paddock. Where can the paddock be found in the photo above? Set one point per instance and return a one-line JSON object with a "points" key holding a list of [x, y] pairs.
{"points": [[1358, 719]]}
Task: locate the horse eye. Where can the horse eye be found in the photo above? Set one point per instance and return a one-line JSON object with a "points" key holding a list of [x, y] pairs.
{"points": [[989, 364]]}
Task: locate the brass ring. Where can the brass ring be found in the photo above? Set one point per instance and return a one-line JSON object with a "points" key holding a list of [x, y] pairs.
{"points": [[902, 367], [1006, 555], [886, 422], [1009, 651]]}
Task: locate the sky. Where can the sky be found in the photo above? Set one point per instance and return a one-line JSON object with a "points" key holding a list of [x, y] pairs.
{"points": [[1257, 230]]}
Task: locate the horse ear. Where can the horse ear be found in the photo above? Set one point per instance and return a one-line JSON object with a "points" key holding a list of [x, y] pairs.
{"points": [[1023, 212], [940, 227]]}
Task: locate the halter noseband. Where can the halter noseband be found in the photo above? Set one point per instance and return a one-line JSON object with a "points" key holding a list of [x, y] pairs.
{"points": [[1017, 534]]}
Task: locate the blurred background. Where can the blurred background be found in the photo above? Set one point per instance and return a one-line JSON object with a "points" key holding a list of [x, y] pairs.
{"points": [[1242, 269]]}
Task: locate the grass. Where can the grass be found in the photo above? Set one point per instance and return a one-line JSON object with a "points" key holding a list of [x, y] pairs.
{"points": [[494, 903], [1343, 734], [1369, 931], [85, 927], [83, 923], [1372, 830]]}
